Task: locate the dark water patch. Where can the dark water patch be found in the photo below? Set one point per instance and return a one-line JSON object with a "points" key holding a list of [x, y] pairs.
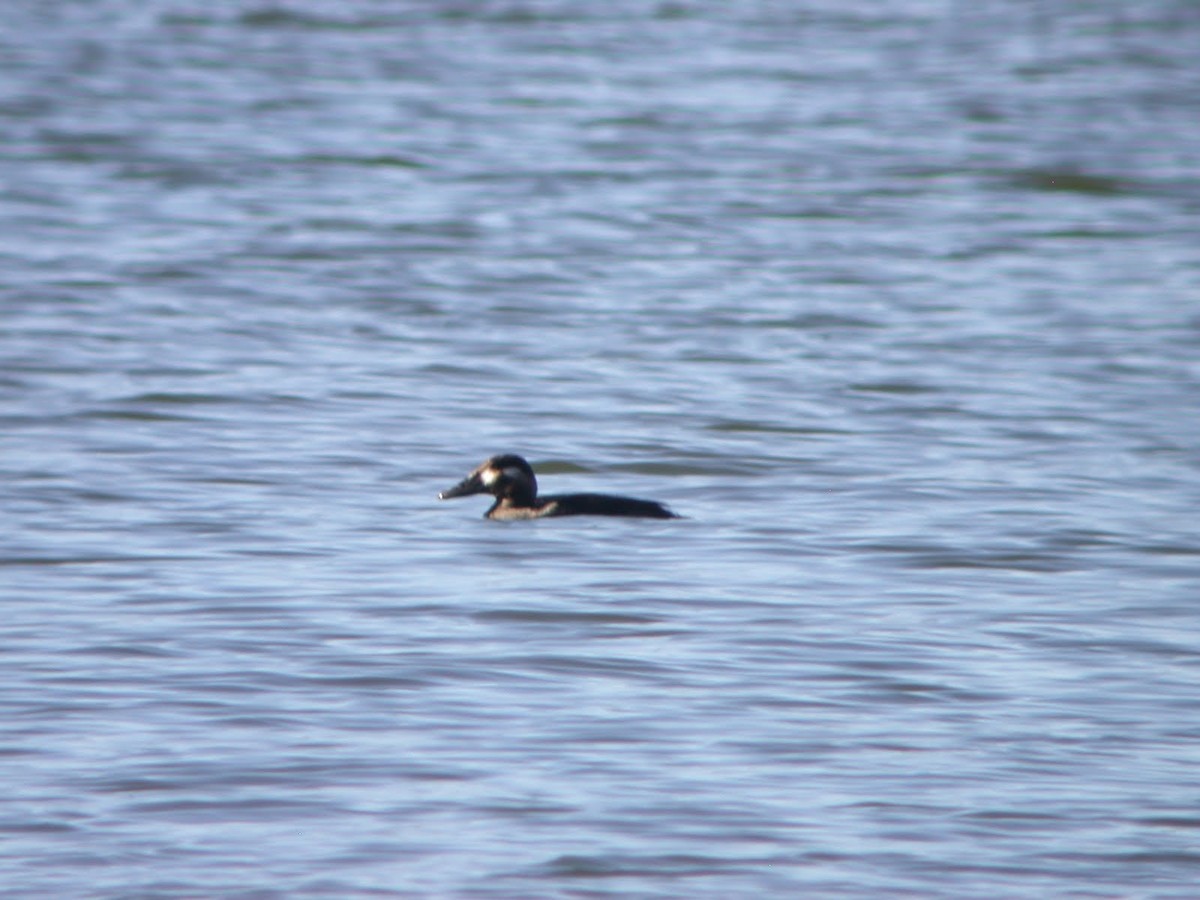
{"points": [[258, 679], [526, 809], [820, 322], [1182, 822], [582, 176], [91, 560], [929, 555], [251, 608], [136, 415], [893, 387], [738, 426], [10, 751], [124, 651], [173, 371], [1091, 234], [1075, 182], [1133, 648], [479, 371], [229, 480], [81, 285], [1020, 816], [614, 667], [91, 495], [356, 683], [645, 120], [266, 723], [181, 398], [1082, 539], [87, 146], [269, 17], [285, 552], [137, 785], [1128, 648], [399, 611], [1113, 861], [551, 617], [1014, 561], [36, 826], [1038, 435], [258, 809], [381, 161], [454, 232], [628, 866], [712, 358], [827, 321], [1167, 548], [799, 213], [173, 173]]}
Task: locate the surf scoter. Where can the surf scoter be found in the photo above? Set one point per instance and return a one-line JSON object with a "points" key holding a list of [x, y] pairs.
{"points": [[510, 479]]}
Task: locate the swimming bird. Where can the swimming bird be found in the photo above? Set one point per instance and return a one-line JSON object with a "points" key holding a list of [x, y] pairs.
{"points": [[510, 479]]}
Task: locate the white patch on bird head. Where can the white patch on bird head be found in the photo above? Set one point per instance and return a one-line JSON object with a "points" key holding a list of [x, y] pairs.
{"points": [[488, 475]]}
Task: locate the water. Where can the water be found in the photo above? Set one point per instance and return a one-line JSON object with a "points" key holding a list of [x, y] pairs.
{"points": [[897, 306]]}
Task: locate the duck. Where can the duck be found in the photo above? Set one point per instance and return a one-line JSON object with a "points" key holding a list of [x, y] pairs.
{"points": [[510, 479]]}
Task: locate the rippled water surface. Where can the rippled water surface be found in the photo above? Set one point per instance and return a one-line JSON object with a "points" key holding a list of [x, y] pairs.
{"points": [[898, 304]]}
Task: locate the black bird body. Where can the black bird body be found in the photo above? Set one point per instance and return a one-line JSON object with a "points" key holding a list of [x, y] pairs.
{"points": [[510, 479]]}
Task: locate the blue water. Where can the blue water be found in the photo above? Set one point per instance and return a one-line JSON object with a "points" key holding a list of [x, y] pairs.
{"points": [[898, 305]]}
